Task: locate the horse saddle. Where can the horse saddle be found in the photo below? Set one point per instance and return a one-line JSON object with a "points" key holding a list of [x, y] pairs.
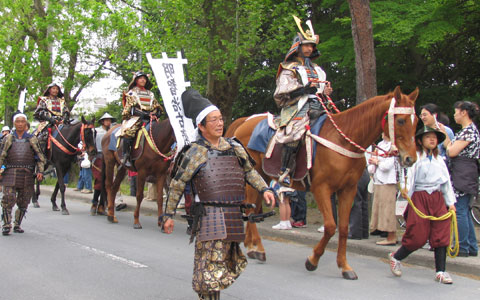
{"points": [[272, 165], [43, 136], [266, 139], [137, 148]]}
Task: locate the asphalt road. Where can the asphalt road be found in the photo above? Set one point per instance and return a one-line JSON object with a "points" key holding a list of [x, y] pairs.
{"points": [[85, 257]]}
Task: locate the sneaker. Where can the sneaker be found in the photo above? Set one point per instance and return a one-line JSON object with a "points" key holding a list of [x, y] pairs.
{"points": [[321, 229], [282, 226], [395, 265], [299, 224], [443, 277]]}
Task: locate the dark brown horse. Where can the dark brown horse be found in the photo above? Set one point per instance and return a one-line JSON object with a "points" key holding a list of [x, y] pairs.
{"points": [[150, 163], [333, 172], [64, 151]]}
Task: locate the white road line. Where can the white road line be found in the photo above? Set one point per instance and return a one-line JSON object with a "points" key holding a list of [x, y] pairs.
{"points": [[95, 251], [113, 257]]}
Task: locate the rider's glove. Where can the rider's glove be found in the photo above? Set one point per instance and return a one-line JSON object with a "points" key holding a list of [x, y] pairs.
{"points": [[304, 90]]}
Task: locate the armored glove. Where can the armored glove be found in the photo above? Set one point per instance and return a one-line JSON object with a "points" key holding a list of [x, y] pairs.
{"points": [[52, 121], [66, 118], [304, 90]]}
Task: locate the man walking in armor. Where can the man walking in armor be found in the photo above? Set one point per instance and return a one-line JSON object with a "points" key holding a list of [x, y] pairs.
{"points": [[215, 168], [138, 103], [298, 82], [20, 153], [51, 109]]}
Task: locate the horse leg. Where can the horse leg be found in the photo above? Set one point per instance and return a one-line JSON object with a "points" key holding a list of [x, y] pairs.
{"points": [[54, 198], [322, 195], [251, 230], [160, 185], [109, 173], [61, 185], [136, 215], [345, 201], [36, 194], [256, 238], [121, 172]]}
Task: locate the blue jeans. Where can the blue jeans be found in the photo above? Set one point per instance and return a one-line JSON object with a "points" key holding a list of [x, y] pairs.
{"points": [[466, 230], [85, 179]]}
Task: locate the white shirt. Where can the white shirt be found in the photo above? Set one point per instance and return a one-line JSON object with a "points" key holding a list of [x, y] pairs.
{"points": [[430, 175], [385, 171], [100, 133]]}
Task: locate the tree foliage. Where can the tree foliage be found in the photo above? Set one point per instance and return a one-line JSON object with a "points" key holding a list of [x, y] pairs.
{"points": [[234, 47]]}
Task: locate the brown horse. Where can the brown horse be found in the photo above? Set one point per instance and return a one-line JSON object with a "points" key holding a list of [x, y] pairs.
{"points": [[333, 172], [150, 163]]}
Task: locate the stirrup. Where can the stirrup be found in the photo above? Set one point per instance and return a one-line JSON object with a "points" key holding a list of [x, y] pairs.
{"points": [[126, 162], [284, 179]]}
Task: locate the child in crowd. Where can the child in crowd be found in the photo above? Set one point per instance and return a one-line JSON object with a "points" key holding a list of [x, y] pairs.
{"points": [[431, 191]]}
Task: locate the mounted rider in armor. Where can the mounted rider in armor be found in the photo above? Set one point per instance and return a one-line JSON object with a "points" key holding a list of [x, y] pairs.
{"points": [[298, 82], [138, 104], [51, 109]]}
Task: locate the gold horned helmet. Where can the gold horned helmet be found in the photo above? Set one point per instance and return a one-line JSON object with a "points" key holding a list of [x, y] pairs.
{"points": [[303, 37], [308, 36]]}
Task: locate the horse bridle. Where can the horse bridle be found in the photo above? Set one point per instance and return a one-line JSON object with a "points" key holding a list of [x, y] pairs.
{"points": [[390, 115], [76, 149]]}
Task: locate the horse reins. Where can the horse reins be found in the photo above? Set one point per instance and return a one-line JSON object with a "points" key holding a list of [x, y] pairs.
{"points": [[391, 112], [63, 148], [169, 155]]}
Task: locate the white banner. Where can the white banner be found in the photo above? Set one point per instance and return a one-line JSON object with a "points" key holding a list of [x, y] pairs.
{"points": [[171, 83], [21, 101]]}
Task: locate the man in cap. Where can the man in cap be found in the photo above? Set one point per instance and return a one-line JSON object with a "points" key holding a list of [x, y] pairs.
{"points": [[5, 131], [138, 104], [20, 153], [51, 109], [298, 82], [215, 168], [97, 164]]}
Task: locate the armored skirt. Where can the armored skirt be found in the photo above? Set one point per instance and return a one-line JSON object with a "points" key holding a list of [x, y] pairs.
{"points": [[216, 265]]}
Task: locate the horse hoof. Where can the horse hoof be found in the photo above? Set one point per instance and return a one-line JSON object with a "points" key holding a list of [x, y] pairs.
{"points": [[261, 256], [36, 205], [350, 275], [55, 208], [112, 219], [65, 212], [251, 254], [137, 226], [309, 266]]}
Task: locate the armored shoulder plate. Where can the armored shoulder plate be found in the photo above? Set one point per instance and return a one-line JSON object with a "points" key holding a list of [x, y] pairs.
{"points": [[290, 65], [181, 159], [234, 142]]}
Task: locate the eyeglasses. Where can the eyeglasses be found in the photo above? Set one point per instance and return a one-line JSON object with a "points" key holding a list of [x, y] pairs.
{"points": [[215, 121]]}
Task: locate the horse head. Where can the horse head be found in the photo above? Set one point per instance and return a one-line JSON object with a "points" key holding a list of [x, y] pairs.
{"points": [[401, 119], [88, 134]]}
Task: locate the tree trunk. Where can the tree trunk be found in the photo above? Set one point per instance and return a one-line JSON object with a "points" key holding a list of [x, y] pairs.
{"points": [[222, 89], [365, 65]]}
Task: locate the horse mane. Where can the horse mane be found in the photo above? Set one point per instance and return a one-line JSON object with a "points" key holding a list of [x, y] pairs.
{"points": [[348, 120]]}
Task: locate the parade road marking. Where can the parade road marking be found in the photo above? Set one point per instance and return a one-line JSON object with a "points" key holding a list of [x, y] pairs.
{"points": [[95, 251], [113, 257]]}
